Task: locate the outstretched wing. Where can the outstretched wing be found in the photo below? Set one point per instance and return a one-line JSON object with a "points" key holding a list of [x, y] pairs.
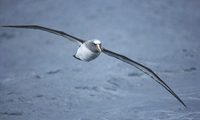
{"points": [[60, 33], [145, 70]]}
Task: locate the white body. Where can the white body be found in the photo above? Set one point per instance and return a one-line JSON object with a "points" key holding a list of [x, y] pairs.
{"points": [[83, 53]]}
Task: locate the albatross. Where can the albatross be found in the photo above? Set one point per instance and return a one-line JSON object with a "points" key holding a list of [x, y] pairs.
{"points": [[90, 49]]}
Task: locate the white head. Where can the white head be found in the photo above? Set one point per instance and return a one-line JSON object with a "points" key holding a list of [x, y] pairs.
{"points": [[96, 41], [98, 44]]}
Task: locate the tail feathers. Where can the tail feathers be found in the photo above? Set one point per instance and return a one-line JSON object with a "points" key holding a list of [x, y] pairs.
{"points": [[77, 57]]}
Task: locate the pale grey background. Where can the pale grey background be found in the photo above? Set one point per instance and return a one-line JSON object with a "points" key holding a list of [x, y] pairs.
{"points": [[40, 80]]}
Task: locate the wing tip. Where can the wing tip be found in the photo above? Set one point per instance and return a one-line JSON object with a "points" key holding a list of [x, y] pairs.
{"points": [[184, 105], [17, 25], [9, 25], [4, 25]]}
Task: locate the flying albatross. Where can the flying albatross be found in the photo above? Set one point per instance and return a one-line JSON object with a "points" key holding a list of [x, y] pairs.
{"points": [[91, 49]]}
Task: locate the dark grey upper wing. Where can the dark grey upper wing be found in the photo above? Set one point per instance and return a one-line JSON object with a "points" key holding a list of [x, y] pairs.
{"points": [[145, 70], [60, 33]]}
